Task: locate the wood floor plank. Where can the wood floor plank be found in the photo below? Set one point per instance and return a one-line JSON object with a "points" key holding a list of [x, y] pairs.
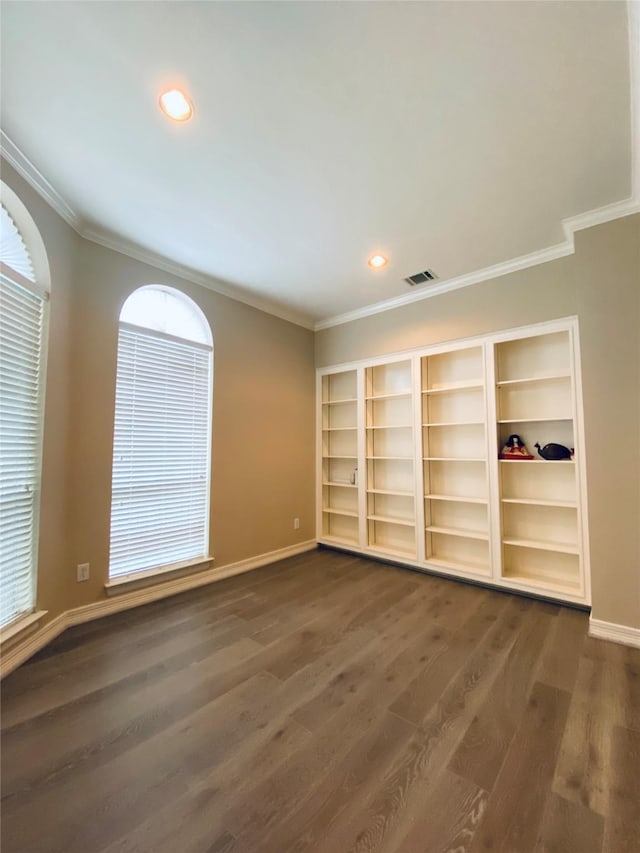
{"points": [[516, 805], [358, 772], [161, 772], [569, 828], [61, 744], [325, 704], [111, 669], [190, 821], [415, 775], [567, 632], [477, 618], [450, 817], [480, 754], [622, 827], [582, 773]]}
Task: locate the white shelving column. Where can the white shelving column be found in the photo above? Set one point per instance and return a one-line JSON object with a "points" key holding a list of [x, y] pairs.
{"points": [[339, 458], [454, 451], [390, 455], [541, 542]]}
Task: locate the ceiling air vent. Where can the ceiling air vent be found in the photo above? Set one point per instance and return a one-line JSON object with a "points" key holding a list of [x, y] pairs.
{"points": [[421, 277]]}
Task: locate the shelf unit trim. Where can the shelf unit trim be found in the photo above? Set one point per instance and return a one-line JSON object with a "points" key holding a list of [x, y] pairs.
{"points": [[396, 492], [453, 424], [532, 421], [389, 519], [390, 396], [540, 502], [466, 568], [537, 461], [448, 389], [468, 499], [502, 382], [453, 459], [325, 456], [389, 426], [541, 545], [462, 534]]}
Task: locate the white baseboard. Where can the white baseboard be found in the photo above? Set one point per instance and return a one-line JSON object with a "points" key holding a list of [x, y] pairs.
{"points": [[31, 644], [24, 649], [614, 633]]}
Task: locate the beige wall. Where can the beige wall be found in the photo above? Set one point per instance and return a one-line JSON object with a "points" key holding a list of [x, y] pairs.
{"points": [[263, 418], [263, 442], [54, 553], [601, 285]]}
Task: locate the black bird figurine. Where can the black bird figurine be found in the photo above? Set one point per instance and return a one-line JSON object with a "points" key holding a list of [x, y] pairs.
{"points": [[554, 451]]}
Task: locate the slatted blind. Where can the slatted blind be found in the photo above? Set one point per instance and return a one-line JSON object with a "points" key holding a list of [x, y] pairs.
{"points": [[13, 251], [21, 331], [160, 488]]}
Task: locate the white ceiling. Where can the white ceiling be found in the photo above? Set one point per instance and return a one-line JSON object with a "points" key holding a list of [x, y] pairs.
{"points": [[446, 135]]}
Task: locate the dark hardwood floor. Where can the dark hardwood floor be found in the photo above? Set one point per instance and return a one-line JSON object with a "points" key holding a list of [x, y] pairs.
{"points": [[329, 704]]}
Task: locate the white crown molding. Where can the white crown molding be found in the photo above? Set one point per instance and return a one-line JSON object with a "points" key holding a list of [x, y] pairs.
{"points": [[32, 643], [599, 216], [118, 244], [13, 155], [21, 163], [114, 242], [614, 633], [574, 223], [456, 283]]}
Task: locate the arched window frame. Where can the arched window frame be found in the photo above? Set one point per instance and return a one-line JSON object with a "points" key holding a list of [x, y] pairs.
{"points": [[149, 328], [26, 282]]}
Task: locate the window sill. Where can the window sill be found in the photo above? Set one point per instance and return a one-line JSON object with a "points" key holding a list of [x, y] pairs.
{"points": [[21, 624], [139, 580]]}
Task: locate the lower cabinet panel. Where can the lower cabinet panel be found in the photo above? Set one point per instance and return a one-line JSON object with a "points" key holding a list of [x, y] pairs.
{"points": [[342, 528], [552, 570], [468, 555], [392, 538]]}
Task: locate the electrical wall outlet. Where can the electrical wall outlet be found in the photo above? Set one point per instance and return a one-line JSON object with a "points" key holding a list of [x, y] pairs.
{"points": [[296, 524], [82, 572]]}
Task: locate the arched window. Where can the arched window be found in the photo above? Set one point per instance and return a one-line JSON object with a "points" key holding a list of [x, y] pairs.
{"points": [[23, 333], [162, 438]]}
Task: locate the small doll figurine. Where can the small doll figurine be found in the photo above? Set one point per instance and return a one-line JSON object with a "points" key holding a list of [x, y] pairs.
{"points": [[515, 449]]}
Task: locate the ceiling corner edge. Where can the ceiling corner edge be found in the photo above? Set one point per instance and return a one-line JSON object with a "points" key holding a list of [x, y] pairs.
{"points": [[37, 181]]}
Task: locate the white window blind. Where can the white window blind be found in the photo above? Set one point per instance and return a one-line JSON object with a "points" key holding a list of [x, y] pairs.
{"points": [[160, 488], [21, 332], [13, 251]]}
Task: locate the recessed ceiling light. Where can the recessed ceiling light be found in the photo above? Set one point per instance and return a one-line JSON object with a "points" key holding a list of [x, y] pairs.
{"points": [[377, 261], [176, 105]]}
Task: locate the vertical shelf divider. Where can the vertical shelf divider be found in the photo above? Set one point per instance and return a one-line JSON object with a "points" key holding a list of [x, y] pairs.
{"points": [[362, 464], [580, 458], [319, 460], [416, 378], [494, 507]]}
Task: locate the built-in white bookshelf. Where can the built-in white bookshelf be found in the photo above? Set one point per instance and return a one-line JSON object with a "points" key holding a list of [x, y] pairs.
{"points": [[339, 437], [389, 455], [454, 456], [540, 530], [409, 462]]}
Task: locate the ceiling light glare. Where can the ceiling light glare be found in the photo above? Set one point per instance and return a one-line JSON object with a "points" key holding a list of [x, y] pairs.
{"points": [[377, 261], [176, 105]]}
